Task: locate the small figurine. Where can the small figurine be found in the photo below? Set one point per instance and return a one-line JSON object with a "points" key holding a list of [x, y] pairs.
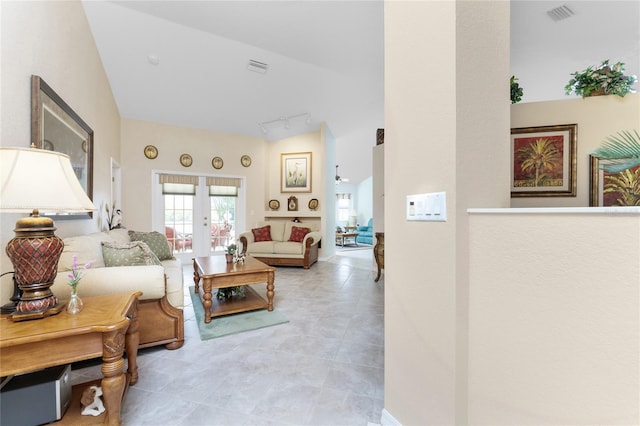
{"points": [[91, 403]]}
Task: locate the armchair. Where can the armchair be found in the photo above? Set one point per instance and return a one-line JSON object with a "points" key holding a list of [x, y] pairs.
{"points": [[365, 233]]}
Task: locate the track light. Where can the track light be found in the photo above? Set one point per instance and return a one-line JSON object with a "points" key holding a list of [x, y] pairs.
{"points": [[285, 121]]}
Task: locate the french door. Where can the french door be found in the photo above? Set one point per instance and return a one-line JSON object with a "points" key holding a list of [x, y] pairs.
{"points": [[198, 214]]}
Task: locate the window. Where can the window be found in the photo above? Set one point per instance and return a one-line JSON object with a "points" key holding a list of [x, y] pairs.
{"points": [[178, 214], [344, 207], [198, 214], [223, 193]]}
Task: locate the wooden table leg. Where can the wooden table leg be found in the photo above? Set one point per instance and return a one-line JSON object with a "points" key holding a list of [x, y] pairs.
{"points": [[196, 277], [270, 290], [206, 300], [113, 381], [131, 341]]}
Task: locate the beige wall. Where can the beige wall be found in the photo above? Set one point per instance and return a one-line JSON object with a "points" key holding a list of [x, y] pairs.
{"points": [[445, 346], [554, 327], [310, 142], [202, 145], [320, 144], [597, 118], [446, 129], [262, 177], [52, 39]]}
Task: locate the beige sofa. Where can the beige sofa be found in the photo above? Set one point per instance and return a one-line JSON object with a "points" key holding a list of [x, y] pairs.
{"points": [[280, 251], [161, 319]]}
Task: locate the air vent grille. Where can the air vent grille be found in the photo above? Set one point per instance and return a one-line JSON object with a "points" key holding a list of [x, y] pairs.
{"points": [[259, 67], [560, 13]]}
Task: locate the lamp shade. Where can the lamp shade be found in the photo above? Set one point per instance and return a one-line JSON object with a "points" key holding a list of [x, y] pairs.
{"points": [[32, 178]]}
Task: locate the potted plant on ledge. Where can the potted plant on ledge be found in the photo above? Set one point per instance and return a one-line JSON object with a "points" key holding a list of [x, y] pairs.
{"points": [[231, 250], [604, 79], [516, 90]]}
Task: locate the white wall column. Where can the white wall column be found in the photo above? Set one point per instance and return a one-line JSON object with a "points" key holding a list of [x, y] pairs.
{"points": [[446, 119]]}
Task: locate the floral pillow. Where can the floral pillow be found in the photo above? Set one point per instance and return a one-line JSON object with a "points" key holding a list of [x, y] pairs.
{"points": [[262, 234], [298, 234]]}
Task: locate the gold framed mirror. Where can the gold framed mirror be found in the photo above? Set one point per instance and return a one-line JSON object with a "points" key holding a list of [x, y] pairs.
{"points": [[56, 127]]}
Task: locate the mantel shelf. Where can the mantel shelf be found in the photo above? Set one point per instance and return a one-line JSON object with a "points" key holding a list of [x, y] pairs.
{"points": [[287, 214]]}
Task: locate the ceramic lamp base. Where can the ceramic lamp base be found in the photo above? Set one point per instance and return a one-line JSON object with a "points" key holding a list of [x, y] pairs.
{"points": [[35, 252]]}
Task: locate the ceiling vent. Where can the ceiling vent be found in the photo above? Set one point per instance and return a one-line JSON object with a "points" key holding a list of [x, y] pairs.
{"points": [[560, 13], [258, 67]]}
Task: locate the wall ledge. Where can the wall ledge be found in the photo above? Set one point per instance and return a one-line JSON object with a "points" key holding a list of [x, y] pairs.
{"points": [[560, 210]]}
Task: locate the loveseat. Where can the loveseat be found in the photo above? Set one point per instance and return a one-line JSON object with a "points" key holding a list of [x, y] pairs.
{"points": [[283, 243], [365, 233], [160, 315]]}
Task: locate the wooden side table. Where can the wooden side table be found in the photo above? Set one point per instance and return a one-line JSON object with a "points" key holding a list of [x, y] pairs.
{"points": [[106, 327], [378, 253]]}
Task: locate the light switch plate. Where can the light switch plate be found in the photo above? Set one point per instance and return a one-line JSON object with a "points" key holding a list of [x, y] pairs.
{"points": [[431, 207]]}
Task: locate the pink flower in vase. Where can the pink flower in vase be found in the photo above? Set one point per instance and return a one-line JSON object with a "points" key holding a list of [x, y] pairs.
{"points": [[77, 273]]}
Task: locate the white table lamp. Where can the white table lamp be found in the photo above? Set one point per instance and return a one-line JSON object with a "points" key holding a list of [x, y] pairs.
{"points": [[32, 181]]}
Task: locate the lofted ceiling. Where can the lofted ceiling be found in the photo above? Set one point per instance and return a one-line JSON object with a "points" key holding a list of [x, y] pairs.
{"points": [[185, 62]]}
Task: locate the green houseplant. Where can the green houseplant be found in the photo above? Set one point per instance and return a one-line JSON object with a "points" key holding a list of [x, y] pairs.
{"points": [[231, 250], [516, 90], [605, 79], [622, 151], [227, 293]]}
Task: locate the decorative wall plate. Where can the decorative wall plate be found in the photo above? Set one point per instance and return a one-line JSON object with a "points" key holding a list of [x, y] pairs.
{"points": [[150, 152], [217, 163], [313, 204], [274, 204], [245, 160], [186, 160], [292, 204]]}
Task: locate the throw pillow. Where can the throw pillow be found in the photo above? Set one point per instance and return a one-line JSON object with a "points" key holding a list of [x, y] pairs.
{"points": [[298, 234], [134, 253], [156, 241], [262, 234]]}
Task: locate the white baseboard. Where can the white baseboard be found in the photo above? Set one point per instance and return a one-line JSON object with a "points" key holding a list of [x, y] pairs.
{"points": [[386, 419]]}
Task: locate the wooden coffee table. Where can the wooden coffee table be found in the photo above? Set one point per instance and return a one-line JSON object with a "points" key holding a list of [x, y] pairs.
{"points": [[105, 327], [215, 272], [342, 236]]}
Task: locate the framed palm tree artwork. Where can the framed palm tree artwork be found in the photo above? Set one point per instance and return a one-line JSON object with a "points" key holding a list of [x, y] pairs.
{"points": [[543, 161], [615, 171], [612, 187]]}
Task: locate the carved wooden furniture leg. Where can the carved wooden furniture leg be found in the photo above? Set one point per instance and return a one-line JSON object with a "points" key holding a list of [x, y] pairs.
{"points": [[270, 290], [196, 277], [378, 253], [206, 302], [113, 378], [131, 341]]}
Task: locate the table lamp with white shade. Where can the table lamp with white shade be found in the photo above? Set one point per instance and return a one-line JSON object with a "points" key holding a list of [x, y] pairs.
{"points": [[32, 181]]}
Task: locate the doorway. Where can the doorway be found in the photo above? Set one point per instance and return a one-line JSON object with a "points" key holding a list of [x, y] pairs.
{"points": [[198, 213]]}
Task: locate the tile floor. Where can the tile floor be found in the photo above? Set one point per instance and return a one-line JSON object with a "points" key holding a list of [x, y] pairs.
{"points": [[324, 367]]}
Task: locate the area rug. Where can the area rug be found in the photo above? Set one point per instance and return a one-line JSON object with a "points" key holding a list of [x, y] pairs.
{"points": [[352, 248], [235, 323]]}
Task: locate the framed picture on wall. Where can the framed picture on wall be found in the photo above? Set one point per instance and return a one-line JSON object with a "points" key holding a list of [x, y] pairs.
{"points": [[295, 172], [543, 161], [613, 189]]}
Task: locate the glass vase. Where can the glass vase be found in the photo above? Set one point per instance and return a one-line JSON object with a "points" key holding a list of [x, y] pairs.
{"points": [[75, 304]]}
